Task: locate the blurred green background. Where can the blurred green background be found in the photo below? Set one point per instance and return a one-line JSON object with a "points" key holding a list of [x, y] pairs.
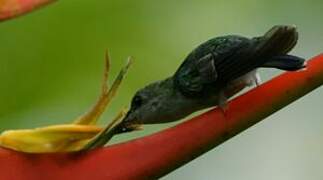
{"points": [[52, 60]]}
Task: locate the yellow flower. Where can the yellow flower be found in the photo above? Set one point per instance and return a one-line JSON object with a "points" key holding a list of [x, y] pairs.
{"points": [[68, 137]]}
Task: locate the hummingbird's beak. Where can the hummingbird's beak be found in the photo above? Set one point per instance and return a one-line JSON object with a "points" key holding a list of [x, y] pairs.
{"points": [[127, 126]]}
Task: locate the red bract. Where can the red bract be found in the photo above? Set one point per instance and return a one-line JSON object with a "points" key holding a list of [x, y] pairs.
{"points": [[12, 8], [155, 155]]}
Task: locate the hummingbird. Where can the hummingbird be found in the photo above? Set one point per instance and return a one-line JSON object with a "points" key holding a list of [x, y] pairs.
{"points": [[212, 73]]}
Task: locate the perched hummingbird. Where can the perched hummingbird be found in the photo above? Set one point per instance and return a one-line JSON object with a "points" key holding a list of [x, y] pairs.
{"points": [[210, 74]]}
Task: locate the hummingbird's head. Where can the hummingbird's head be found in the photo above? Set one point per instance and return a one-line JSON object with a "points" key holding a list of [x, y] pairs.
{"points": [[149, 105], [158, 102]]}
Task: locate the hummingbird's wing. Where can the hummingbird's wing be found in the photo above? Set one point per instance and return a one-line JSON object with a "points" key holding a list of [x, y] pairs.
{"points": [[211, 63]]}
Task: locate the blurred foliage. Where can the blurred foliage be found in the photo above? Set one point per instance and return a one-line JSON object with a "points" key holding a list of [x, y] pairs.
{"points": [[52, 61]]}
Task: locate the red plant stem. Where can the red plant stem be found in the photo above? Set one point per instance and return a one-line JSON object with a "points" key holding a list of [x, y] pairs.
{"points": [[13, 8], [155, 155]]}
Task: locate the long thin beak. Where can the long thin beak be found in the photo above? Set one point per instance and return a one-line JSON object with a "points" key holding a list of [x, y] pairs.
{"points": [[125, 126], [104, 137]]}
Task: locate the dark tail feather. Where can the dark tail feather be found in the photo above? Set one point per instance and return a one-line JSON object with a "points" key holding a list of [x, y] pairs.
{"points": [[278, 40], [285, 62]]}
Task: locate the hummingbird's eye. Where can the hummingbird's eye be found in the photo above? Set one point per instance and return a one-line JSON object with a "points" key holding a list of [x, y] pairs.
{"points": [[136, 101]]}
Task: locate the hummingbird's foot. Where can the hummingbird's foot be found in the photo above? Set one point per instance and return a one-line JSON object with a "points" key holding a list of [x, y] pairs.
{"points": [[257, 79], [223, 101], [252, 78]]}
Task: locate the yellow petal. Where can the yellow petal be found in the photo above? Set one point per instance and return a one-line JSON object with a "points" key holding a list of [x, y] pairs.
{"points": [[47, 139], [66, 137], [92, 116]]}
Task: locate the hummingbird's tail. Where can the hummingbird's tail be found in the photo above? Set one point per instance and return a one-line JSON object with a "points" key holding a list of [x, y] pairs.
{"points": [[278, 40], [285, 62], [275, 45]]}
